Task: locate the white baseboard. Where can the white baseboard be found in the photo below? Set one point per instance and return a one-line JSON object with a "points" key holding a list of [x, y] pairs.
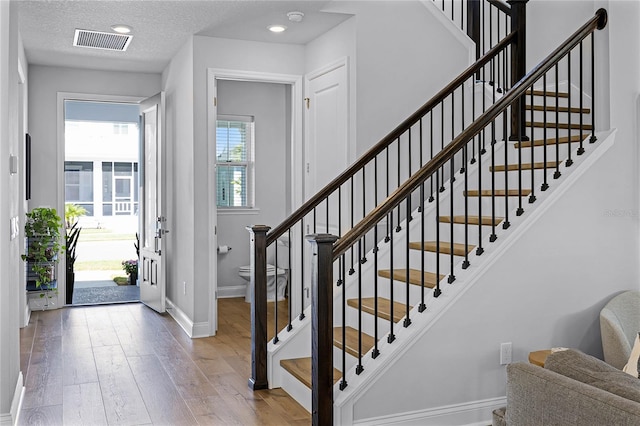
{"points": [[227, 292], [11, 417], [193, 330], [468, 414]]}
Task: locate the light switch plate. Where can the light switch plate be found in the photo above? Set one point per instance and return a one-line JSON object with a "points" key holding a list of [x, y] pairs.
{"points": [[13, 164]]}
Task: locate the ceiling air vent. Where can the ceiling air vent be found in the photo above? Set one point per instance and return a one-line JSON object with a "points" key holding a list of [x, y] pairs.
{"points": [[100, 40]]}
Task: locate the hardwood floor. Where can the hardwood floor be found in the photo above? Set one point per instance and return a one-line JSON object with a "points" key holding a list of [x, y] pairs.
{"points": [[127, 365]]}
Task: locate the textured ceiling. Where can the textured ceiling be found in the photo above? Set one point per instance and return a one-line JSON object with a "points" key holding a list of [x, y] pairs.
{"points": [[160, 28]]}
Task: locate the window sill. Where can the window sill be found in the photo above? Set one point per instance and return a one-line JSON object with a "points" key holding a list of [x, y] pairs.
{"points": [[226, 211]]}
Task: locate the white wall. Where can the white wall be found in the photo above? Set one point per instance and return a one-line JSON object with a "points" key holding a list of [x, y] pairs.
{"points": [[11, 195], [404, 54], [269, 104], [548, 289], [177, 82]]}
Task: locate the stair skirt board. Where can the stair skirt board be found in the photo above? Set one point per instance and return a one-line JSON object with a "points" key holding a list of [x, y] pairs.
{"points": [[436, 307], [469, 414], [422, 322]]}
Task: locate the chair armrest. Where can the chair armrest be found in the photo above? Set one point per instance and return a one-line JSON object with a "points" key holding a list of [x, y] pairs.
{"points": [[538, 396]]}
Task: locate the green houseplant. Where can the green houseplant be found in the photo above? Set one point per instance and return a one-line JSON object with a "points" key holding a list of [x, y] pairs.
{"points": [[43, 231], [71, 214]]}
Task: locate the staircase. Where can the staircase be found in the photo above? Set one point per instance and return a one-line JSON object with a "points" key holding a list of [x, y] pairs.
{"points": [[381, 309], [427, 232]]}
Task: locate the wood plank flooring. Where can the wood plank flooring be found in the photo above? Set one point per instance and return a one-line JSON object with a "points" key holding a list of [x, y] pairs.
{"points": [[127, 365]]}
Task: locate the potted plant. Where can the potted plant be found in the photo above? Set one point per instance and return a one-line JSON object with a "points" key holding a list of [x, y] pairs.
{"points": [[131, 268], [71, 214], [71, 243], [42, 230]]}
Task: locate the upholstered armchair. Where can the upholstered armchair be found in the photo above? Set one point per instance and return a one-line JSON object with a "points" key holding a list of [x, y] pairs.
{"points": [[619, 326]]}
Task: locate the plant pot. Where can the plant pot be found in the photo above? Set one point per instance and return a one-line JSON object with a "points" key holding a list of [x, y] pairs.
{"points": [[71, 279], [133, 278]]}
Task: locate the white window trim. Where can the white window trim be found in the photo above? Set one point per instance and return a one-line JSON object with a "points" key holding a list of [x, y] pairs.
{"points": [[250, 208]]}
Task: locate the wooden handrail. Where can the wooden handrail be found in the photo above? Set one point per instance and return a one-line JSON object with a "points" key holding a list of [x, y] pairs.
{"points": [[501, 5], [333, 186], [599, 21]]}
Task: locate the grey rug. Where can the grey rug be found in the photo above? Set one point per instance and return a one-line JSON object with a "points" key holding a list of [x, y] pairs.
{"points": [[112, 294]]}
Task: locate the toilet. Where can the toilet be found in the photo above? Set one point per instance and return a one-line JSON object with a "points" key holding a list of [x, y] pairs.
{"points": [[276, 282]]}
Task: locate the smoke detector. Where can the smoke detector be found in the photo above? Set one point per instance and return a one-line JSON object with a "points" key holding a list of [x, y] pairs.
{"points": [[101, 40], [295, 16]]}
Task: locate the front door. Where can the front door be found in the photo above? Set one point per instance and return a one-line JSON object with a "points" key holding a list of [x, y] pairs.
{"points": [[152, 220]]}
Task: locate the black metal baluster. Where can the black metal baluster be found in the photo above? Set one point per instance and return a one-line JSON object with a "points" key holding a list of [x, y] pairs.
{"points": [[569, 161], [342, 269], [363, 259], [407, 320], [302, 244], [557, 174], [520, 209], [422, 306], [441, 188], [593, 91], [545, 184], [493, 235], [359, 367], [505, 120], [532, 196], [376, 351], [327, 214], [387, 237], [452, 276], [289, 283], [276, 339], [437, 291], [399, 228], [581, 148], [431, 155], [480, 249], [391, 337], [351, 270]]}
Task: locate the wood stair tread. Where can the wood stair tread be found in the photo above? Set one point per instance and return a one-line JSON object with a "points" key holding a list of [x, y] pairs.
{"points": [[445, 247], [471, 220], [351, 336], [554, 108], [384, 307], [415, 277], [497, 193], [300, 368], [550, 141], [563, 126], [525, 166], [548, 93]]}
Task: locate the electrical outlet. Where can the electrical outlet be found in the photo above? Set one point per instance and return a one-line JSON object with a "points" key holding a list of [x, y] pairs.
{"points": [[505, 353], [184, 287]]}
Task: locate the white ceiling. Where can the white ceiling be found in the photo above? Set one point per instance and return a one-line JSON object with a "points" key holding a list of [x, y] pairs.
{"points": [[160, 28]]}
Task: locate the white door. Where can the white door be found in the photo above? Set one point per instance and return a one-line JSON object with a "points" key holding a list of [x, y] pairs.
{"points": [[327, 148], [152, 220]]}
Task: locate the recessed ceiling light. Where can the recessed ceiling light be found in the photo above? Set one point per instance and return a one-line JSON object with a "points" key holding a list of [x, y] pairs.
{"points": [[276, 28], [121, 28]]}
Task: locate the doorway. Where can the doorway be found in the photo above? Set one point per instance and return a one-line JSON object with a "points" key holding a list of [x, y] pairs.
{"points": [[267, 108], [101, 181]]}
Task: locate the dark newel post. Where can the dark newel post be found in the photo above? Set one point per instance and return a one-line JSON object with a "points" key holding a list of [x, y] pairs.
{"points": [[322, 328], [473, 25], [258, 255], [518, 66]]}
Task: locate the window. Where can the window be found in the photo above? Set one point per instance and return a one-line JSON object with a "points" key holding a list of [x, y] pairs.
{"points": [[234, 161], [120, 128], [119, 188], [78, 184]]}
